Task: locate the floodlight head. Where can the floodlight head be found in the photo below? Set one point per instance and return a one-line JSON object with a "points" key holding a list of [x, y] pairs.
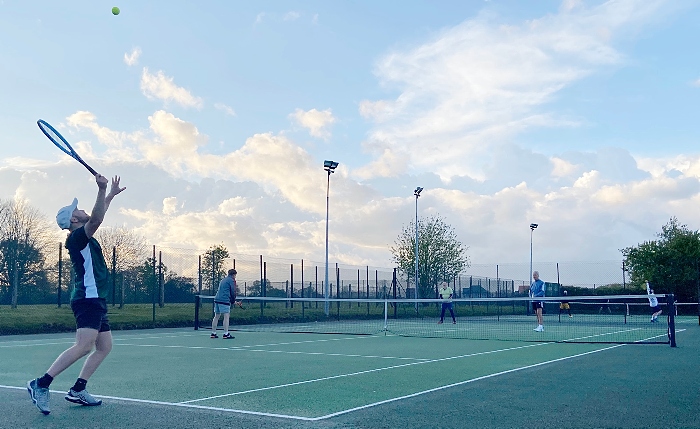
{"points": [[329, 166], [417, 191], [533, 226]]}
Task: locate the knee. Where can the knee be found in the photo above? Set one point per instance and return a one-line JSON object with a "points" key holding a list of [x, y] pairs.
{"points": [[83, 349], [104, 348]]}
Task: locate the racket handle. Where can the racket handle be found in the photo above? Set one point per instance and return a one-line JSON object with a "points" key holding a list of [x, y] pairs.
{"points": [[94, 173]]}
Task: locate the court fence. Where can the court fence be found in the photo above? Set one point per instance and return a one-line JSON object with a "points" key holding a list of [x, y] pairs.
{"points": [[159, 288]]}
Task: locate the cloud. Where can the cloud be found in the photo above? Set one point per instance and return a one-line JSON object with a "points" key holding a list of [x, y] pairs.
{"points": [[480, 83], [291, 16], [696, 83], [161, 87], [315, 121], [267, 196], [132, 58], [226, 109], [259, 17]]}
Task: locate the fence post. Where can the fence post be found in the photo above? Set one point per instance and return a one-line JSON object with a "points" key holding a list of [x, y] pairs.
{"points": [[114, 275], [153, 290], [60, 272], [393, 283], [199, 272], [161, 285]]}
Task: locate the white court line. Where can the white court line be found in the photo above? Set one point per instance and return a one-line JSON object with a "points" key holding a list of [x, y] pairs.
{"points": [[327, 416], [290, 417], [297, 383], [235, 348], [175, 404], [71, 340]]}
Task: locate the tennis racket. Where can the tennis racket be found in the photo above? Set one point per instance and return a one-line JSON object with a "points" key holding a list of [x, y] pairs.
{"points": [[240, 305], [62, 143]]}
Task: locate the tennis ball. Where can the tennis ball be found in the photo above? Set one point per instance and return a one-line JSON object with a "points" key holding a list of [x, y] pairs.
{"points": [[115, 10]]}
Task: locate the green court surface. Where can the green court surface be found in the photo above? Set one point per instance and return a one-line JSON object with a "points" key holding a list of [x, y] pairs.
{"points": [[182, 378]]}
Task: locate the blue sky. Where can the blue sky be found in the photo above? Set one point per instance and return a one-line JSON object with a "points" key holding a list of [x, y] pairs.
{"points": [[579, 115]]}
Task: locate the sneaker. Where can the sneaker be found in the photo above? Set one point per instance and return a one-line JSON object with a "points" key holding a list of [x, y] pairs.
{"points": [[540, 328], [213, 336], [570, 315], [454, 322], [440, 322], [228, 336], [39, 395], [82, 398]]}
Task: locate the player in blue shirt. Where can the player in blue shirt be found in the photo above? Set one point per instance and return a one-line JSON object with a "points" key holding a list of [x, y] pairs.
{"points": [[537, 288]]}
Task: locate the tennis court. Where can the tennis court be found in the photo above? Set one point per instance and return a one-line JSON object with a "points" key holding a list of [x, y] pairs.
{"points": [[182, 378]]}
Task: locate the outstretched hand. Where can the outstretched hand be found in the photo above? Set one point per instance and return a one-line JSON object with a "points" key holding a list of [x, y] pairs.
{"points": [[115, 187]]}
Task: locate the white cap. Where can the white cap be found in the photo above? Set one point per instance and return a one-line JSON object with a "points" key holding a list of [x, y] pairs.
{"points": [[64, 215]]}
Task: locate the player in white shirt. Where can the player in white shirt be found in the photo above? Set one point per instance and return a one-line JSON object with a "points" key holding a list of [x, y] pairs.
{"points": [[653, 303]]}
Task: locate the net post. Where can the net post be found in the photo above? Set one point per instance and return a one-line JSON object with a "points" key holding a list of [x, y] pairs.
{"points": [[671, 302], [386, 314], [197, 301]]}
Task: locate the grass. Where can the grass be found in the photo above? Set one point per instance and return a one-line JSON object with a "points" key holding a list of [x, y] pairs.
{"points": [[34, 319]]}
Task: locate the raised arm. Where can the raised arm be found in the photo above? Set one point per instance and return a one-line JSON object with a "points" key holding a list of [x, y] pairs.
{"points": [[102, 203]]}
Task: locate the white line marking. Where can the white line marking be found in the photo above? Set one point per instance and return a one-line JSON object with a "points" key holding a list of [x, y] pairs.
{"points": [[291, 352], [461, 383], [476, 379], [297, 383], [174, 404], [186, 405]]}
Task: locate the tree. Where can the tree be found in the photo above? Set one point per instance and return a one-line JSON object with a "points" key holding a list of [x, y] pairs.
{"points": [[441, 256], [213, 266], [179, 288], [24, 233], [671, 263], [123, 249]]}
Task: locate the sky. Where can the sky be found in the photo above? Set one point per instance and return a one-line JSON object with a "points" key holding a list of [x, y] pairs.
{"points": [[580, 116]]}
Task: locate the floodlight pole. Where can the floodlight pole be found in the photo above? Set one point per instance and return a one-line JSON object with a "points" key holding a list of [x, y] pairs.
{"points": [[533, 226], [329, 166], [417, 194]]}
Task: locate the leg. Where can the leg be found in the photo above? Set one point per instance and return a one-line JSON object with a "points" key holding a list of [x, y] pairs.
{"points": [[539, 316], [85, 339], [453, 315], [214, 323], [226, 320], [442, 313], [103, 346]]}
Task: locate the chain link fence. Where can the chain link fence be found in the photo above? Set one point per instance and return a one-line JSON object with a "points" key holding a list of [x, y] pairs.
{"points": [[159, 289]]}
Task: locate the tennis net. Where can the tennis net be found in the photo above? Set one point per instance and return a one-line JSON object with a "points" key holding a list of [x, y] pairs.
{"points": [[588, 319]]}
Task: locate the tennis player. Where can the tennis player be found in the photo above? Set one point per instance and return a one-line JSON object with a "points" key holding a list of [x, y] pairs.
{"points": [[225, 297], [564, 305], [653, 303], [445, 293], [88, 299], [537, 288]]}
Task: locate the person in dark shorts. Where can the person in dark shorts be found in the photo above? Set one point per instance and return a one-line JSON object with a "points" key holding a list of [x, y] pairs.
{"points": [[88, 299], [537, 288]]}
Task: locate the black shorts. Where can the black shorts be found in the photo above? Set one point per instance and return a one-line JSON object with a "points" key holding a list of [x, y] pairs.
{"points": [[91, 313], [656, 309], [536, 305]]}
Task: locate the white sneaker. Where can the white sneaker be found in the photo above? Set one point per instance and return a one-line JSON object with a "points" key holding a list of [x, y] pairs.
{"points": [[539, 328], [82, 398]]}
